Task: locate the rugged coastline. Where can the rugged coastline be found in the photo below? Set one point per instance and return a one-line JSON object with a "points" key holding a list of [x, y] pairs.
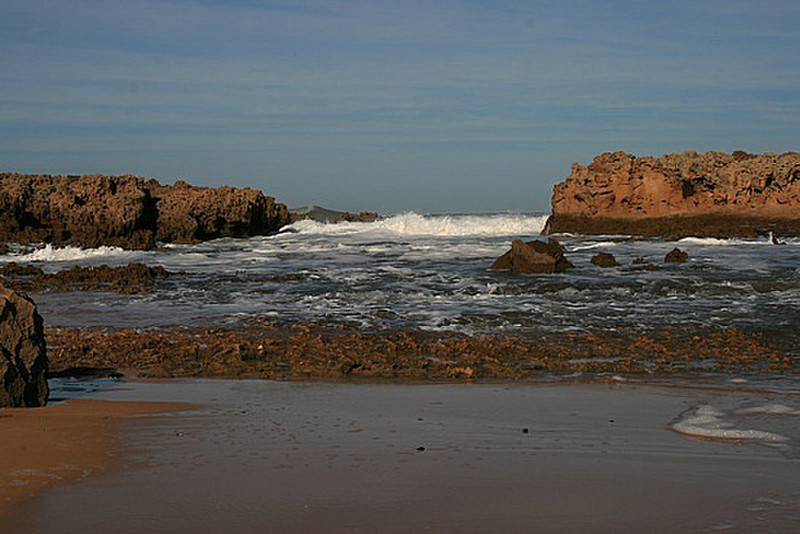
{"points": [[128, 211], [275, 351], [678, 195]]}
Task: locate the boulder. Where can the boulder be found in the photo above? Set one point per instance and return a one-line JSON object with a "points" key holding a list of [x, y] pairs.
{"points": [[23, 364], [533, 257], [676, 255], [677, 195], [604, 259]]}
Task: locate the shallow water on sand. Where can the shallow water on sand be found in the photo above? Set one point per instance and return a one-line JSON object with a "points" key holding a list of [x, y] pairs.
{"points": [[262, 456]]}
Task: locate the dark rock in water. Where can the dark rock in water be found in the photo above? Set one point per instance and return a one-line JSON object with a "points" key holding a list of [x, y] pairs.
{"points": [[84, 372], [23, 364], [362, 216], [129, 278], [676, 255], [640, 261], [13, 269], [324, 215], [533, 257], [604, 259]]}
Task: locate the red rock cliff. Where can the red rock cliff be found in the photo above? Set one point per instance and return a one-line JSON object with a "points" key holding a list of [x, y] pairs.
{"points": [[128, 211], [711, 194]]}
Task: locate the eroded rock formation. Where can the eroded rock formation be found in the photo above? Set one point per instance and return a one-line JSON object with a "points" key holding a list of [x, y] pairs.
{"points": [[23, 362], [677, 195], [128, 211]]}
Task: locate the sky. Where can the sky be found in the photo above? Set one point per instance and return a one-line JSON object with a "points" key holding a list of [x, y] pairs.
{"points": [[427, 106]]}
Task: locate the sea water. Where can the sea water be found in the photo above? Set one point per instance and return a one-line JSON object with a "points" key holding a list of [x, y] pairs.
{"points": [[432, 272]]}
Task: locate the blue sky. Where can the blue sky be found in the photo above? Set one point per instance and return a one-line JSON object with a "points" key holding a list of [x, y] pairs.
{"points": [[390, 106]]}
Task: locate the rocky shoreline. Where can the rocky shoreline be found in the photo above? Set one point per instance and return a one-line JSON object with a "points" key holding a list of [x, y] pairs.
{"points": [[312, 351], [711, 194], [128, 211], [679, 195]]}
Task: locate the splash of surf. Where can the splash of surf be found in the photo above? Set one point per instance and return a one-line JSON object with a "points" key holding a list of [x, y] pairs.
{"points": [[414, 224]]}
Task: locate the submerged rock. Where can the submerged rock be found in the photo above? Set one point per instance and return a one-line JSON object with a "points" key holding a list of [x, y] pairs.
{"points": [[131, 278], [604, 259], [676, 255], [23, 363], [533, 257]]}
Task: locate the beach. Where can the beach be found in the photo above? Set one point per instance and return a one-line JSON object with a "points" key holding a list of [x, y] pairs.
{"points": [[60, 445], [259, 456]]}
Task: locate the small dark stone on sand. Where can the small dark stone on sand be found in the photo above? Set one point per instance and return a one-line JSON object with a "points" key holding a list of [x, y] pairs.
{"points": [[420, 448]]}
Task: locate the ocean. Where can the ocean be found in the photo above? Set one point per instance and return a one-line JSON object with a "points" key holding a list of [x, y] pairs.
{"points": [[432, 272]]}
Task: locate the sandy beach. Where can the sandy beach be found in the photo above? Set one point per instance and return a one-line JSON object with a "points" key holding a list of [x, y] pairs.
{"points": [[59, 445], [336, 457]]}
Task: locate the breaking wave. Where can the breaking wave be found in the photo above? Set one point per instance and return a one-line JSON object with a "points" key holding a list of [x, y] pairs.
{"points": [[54, 254], [414, 224]]}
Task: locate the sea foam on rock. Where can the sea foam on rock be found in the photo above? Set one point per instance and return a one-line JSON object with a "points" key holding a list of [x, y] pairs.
{"points": [[23, 364]]}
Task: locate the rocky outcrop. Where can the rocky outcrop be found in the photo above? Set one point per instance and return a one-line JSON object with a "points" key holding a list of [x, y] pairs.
{"points": [[677, 195], [324, 215], [128, 279], [128, 211], [533, 257], [188, 214], [23, 363]]}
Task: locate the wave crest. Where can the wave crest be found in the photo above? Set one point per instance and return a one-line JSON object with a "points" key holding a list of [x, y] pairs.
{"points": [[414, 224]]}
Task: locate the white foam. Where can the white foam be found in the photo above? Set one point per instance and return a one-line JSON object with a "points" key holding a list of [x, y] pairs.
{"points": [[68, 253], [414, 224], [769, 409], [602, 244], [716, 242], [707, 422]]}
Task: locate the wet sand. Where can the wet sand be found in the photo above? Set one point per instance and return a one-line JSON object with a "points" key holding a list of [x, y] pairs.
{"points": [[59, 445], [266, 456]]}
